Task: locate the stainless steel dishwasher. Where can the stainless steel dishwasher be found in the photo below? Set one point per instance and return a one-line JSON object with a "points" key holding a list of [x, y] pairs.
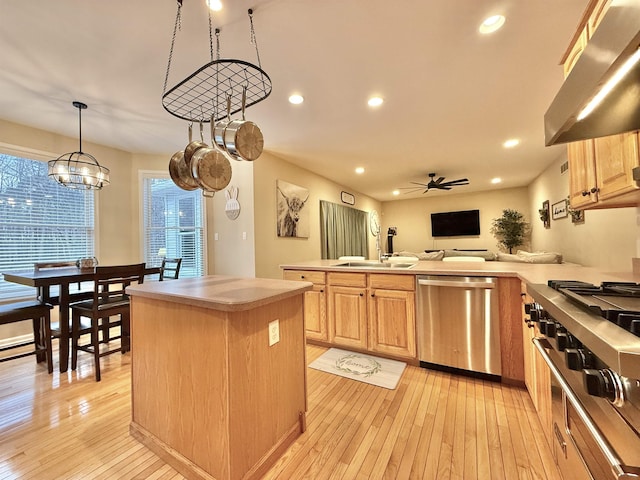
{"points": [[458, 324]]}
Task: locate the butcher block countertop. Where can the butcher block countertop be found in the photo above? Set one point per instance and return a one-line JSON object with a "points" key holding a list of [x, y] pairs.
{"points": [[528, 272], [218, 292]]}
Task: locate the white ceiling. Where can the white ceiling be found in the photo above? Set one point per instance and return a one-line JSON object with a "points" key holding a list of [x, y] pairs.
{"points": [[452, 95]]}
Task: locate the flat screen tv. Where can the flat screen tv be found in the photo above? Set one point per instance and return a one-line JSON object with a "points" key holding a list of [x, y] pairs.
{"points": [[455, 224]]}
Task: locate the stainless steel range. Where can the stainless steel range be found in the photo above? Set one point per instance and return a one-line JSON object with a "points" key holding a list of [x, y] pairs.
{"points": [[591, 343]]}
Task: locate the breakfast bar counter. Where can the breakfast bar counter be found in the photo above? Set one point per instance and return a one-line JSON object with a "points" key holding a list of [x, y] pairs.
{"points": [[218, 372]]}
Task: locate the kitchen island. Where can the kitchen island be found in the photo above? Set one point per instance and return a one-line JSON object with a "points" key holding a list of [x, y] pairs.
{"points": [[218, 372]]}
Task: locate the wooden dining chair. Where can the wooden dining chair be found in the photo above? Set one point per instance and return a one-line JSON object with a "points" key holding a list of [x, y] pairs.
{"points": [[109, 300], [170, 268]]}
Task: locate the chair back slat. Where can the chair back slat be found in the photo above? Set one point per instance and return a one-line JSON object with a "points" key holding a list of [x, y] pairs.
{"points": [[170, 268], [111, 282]]}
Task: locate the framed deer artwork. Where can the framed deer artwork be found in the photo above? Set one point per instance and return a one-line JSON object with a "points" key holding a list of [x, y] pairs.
{"points": [[293, 212]]}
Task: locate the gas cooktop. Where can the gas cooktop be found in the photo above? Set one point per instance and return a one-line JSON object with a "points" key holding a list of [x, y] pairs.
{"points": [[618, 302]]}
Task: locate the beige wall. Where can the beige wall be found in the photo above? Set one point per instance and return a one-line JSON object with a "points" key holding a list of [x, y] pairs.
{"points": [[413, 218], [271, 250], [607, 239]]}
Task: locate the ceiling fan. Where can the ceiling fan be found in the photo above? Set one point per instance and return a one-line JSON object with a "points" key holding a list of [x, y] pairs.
{"points": [[438, 184]]}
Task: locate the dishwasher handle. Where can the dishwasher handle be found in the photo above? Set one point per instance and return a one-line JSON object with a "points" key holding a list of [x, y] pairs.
{"points": [[488, 283]]}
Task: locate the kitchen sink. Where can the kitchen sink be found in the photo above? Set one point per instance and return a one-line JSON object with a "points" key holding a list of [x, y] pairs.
{"points": [[374, 264]]}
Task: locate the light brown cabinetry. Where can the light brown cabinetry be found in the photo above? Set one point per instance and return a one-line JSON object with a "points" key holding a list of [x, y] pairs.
{"points": [[347, 307], [537, 376], [315, 302], [600, 170], [392, 318], [373, 312]]}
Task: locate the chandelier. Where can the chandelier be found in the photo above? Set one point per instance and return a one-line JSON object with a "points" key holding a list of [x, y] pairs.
{"points": [[78, 169]]}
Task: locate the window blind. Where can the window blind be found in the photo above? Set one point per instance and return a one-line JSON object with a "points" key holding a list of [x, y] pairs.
{"points": [[173, 224], [40, 221]]}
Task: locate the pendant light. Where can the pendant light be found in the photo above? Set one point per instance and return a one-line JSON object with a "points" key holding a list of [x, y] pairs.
{"points": [[78, 169]]}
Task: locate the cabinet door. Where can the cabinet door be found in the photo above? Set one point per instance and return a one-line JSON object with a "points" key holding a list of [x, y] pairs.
{"points": [[348, 316], [543, 393], [616, 156], [392, 324], [315, 313], [582, 174]]}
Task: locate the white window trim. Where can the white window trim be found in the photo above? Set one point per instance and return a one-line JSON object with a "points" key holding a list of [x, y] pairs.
{"points": [[142, 174]]}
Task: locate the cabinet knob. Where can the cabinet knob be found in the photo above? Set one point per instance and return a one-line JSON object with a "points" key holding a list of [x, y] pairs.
{"points": [[595, 190], [585, 193], [373, 294], [322, 290], [361, 294], [301, 276]]}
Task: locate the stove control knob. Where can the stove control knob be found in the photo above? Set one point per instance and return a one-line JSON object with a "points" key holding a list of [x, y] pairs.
{"points": [[577, 359], [604, 383], [550, 328], [562, 338]]}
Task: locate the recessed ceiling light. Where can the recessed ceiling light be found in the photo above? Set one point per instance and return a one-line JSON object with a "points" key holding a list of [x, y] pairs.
{"points": [[511, 143], [396, 192], [215, 5], [375, 101], [360, 170], [492, 24], [296, 99], [496, 180]]}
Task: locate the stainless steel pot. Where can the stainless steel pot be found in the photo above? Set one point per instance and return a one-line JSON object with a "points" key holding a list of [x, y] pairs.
{"points": [[218, 131], [211, 168], [243, 139]]}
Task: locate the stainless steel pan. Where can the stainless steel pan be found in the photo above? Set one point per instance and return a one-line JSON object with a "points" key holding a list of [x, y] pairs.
{"points": [[180, 172]]}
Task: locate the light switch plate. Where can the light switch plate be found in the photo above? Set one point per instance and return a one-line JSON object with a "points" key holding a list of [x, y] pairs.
{"points": [[274, 332]]}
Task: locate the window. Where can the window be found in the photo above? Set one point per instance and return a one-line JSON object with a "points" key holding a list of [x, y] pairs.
{"points": [[173, 224], [40, 221], [343, 230]]}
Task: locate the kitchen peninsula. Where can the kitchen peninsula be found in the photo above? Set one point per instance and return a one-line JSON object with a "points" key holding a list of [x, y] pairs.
{"points": [[369, 308], [218, 372]]}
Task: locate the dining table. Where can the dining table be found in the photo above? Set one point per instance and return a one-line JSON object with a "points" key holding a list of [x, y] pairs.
{"points": [[44, 279]]}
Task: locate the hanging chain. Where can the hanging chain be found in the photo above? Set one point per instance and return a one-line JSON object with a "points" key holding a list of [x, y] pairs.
{"points": [[217, 44], [210, 35], [176, 27], [253, 39]]}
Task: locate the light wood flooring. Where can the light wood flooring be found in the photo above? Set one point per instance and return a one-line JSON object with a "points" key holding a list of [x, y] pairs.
{"points": [[432, 426]]}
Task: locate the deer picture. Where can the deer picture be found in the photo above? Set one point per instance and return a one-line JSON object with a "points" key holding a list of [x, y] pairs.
{"points": [[289, 213]]}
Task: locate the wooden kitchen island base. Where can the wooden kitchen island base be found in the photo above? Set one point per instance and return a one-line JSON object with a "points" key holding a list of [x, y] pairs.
{"points": [[210, 396]]}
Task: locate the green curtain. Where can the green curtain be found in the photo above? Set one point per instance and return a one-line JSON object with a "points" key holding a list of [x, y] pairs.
{"points": [[343, 231]]}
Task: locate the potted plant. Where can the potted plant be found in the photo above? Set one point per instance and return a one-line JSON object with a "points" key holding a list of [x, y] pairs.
{"points": [[510, 229]]}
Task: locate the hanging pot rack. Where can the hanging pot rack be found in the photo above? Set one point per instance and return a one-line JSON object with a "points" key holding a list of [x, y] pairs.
{"points": [[203, 95]]}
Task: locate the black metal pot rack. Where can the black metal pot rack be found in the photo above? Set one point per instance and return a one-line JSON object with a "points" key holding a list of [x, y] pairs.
{"points": [[203, 95]]}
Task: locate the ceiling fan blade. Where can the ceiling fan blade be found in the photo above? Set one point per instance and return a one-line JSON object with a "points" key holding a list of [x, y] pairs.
{"points": [[411, 189], [440, 180], [418, 183]]}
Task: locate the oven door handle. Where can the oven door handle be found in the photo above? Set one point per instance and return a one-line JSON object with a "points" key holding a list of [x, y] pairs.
{"points": [[620, 470]]}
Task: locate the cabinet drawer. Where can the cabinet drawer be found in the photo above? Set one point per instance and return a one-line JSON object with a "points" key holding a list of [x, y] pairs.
{"points": [[392, 281], [317, 278], [347, 279]]}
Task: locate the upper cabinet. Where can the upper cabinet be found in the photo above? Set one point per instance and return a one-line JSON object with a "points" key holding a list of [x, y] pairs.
{"points": [[600, 170]]}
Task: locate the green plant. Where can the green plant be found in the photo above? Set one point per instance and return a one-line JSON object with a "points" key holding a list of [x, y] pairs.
{"points": [[510, 229]]}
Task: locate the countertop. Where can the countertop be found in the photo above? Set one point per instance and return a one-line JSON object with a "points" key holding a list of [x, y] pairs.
{"points": [[528, 272], [218, 292]]}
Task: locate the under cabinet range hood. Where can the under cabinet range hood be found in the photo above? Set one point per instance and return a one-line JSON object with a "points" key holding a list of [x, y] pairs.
{"points": [[613, 47]]}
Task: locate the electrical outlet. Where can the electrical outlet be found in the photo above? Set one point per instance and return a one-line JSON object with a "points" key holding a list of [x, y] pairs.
{"points": [[215, 236], [274, 332], [244, 235]]}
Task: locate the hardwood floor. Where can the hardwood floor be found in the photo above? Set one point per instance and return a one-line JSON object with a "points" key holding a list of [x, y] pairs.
{"points": [[433, 426]]}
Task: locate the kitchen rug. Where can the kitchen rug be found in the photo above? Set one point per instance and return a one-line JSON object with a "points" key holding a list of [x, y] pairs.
{"points": [[358, 366]]}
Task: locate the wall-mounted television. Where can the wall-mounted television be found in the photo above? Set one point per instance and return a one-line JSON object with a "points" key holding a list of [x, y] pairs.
{"points": [[455, 224]]}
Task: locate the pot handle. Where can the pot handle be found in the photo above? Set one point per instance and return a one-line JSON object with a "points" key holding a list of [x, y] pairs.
{"points": [[229, 107], [190, 132], [244, 99], [201, 133]]}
